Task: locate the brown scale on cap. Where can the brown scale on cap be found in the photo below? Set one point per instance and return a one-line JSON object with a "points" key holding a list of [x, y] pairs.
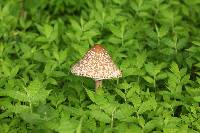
{"points": [[96, 64]]}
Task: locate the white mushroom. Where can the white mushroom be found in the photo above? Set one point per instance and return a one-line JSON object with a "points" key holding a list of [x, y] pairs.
{"points": [[96, 64]]}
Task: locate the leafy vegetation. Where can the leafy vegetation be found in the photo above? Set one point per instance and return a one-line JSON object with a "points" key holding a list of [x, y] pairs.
{"points": [[156, 44]]}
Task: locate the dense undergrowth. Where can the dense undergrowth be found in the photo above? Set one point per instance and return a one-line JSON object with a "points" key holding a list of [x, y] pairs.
{"points": [[156, 44]]}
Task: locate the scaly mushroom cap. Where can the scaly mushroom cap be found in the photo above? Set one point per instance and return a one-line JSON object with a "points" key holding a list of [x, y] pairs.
{"points": [[96, 64]]}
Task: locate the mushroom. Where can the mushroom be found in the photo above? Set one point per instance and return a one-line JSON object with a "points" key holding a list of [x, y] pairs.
{"points": [[98, 65]]}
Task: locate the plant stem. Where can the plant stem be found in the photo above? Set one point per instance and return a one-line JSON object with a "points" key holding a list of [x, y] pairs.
{"points": [[112, 119], [30, 103], [154, 81], [22, 12], [98, 84]]}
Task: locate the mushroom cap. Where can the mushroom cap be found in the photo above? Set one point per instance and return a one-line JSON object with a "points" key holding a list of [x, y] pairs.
{"points": [[96, 64]]}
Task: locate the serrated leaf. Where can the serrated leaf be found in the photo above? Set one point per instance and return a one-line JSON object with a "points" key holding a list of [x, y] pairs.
{"points": [[130, 71], [76, 26], [32, 118], [185, 79], [26, 50], [14, 71], [124, 86], [19, 108], [89, 25], [57, 98], [170, 130], [196, 43], [91, 95], [62, 56], [149, 79], [89, 34], [175, 69], [147, 105], [79, 128], [162, 31], [141, 58], [161, 76], [21, 96], [115, 30], [56, 54], [6, 70], [124, 111], [100, 116], [133, 90], [197, 65], [4, 128], [57, 74], [196, 98], [120, 93], [134, 128], [193, 49], [150, 125], [150, 69], [39, 56], [45, 30], [36, 92], [67, 125]]}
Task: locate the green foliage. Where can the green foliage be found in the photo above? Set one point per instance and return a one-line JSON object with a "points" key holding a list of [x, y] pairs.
{"points": [[155, 43]]}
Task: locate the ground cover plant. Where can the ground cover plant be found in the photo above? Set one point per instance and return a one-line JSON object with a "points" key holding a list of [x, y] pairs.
{"points": [[156, 44]]}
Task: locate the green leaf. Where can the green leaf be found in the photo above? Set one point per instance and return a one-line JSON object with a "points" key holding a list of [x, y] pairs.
{"points": [[17, 108], [66, 124], [141, 58], [89, 25], [161, 76], [4, 128], [45, 30], [57, 98], [36, 92], [6, 70], [21, 96], [170, 130], [120, 93], [76, 26], [116, 31], [149, 79], [162, 31], [14, 71], [89, 34], [150, 69], [57, 74], [185, 79], [39, 56], [196, 43], [62, 56], [135, 128], [151, 104], [100, 116], [197, 65], [79, 128], [124, 86], [31, 118], [196, 98], [91, 95], [124, 112], [133, 90], [26, 49], [151, 125], [136, 100], [120, 1], [130, 71], [175, 70]]}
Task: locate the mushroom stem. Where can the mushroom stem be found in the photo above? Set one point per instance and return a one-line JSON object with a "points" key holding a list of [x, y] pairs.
{"points": [[98, 84]]}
